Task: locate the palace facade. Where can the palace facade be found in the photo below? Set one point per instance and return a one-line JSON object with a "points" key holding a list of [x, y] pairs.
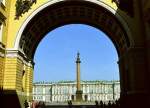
{"points": [[66, 90]]}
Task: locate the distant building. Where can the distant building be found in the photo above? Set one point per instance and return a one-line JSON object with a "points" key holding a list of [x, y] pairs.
{"points": [[66, 90]]}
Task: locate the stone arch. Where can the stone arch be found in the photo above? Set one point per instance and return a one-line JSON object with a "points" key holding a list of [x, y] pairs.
{"points": [[56, 13], [93, 13]]}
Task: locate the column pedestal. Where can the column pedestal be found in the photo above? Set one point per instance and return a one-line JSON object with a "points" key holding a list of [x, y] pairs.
{"points": [[79, 95]]}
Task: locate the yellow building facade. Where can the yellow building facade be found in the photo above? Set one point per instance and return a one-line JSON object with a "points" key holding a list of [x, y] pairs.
{"points": [[127, 24]]}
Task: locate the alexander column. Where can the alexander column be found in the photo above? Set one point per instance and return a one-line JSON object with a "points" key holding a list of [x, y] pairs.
{"points": [[79, 91]]}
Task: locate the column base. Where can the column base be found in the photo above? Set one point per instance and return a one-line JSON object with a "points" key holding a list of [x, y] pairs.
{"points": [[79, 95]]}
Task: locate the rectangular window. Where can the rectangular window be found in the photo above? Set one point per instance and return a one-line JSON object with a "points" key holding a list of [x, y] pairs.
{"points": [[1, 31]]}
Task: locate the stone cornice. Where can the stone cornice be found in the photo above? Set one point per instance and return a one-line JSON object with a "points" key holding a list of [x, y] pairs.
{"points": [[19, 54]]}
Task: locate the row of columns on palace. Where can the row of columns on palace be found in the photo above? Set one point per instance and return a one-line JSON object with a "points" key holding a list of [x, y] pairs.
{"points": [[65, 98], [90, 89]]}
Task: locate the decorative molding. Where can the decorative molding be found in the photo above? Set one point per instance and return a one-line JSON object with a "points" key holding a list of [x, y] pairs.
{"points": [[101, 17], [20, 55], [23, 6], [18, 38]]}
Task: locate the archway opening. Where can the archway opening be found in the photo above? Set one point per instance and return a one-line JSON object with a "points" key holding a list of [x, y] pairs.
{"points": [[55, 64], [68, 12], [100, 16], [62, 44]]}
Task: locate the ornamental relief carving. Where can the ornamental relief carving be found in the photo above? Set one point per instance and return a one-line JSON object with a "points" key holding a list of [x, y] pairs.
{"points": [[23, 6]]}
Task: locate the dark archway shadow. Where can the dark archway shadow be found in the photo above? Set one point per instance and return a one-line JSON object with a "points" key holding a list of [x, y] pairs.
{"points": [[10, 99]]}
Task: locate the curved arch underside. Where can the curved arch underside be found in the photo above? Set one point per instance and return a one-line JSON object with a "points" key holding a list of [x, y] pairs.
{"points": [[72, 12]]}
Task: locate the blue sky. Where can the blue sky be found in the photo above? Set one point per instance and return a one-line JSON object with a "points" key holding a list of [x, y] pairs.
{"points": [[56, 55]]}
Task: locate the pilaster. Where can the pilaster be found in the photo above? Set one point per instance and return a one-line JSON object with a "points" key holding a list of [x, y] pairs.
{"points": [[29, 80], [146, 20], [134, 78], [17, 78]]}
